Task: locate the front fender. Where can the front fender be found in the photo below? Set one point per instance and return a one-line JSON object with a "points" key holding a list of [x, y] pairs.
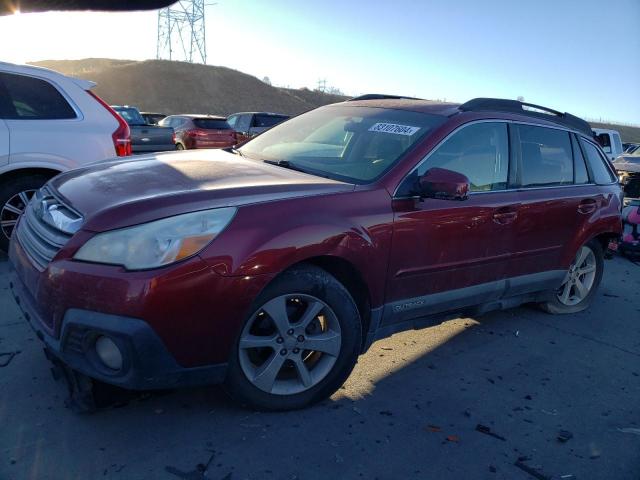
{"points": [[268, 238]]}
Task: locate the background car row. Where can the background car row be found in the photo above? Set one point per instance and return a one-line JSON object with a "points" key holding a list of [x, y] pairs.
{"points": [[192, 130]]}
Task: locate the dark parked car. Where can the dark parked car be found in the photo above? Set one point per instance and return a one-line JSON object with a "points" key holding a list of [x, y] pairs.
{"points": [[250, 124], [272, 267], [146, 138], [200, 131], [152, 118]]}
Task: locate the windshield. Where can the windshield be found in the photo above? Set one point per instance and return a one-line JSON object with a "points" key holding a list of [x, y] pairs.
{"points": [[356, 144], [131, 116]]}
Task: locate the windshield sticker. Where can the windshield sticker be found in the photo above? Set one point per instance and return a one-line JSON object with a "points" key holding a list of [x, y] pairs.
{"points": [[394, 128]]}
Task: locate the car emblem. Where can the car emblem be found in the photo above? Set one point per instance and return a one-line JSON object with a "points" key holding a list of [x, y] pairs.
{"points": [[145, 139]]}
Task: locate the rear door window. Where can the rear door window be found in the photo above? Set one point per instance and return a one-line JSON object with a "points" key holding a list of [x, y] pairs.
{"points": [[29, 98], [244, 122], [546, 158], [602, 174]]}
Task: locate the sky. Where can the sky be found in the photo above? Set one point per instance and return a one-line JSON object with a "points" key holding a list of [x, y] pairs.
{"points": [[580, 56]]}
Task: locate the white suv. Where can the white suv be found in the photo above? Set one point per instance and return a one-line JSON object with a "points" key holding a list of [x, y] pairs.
{"points": [[49, 123]]}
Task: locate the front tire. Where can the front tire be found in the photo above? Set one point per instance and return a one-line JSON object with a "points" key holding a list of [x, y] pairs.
{"points": [[15, 193], [298, 345], [580, 283]]}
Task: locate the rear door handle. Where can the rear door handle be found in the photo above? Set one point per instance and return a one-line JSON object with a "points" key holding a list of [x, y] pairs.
{"points": [[588, 205]]}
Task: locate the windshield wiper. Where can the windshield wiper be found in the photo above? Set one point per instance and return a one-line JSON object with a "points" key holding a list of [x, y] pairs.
{"points": [[285, 164], [293, 166]]}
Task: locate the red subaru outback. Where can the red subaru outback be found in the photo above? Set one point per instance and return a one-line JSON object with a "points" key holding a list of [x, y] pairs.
{"points": [[272, 267]]}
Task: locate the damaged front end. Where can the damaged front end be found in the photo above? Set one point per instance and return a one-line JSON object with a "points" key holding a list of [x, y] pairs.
{"points": [[628, 171]]}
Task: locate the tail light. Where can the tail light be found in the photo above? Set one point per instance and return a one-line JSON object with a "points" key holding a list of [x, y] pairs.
{"points": [[197, 133], [122, 135]]}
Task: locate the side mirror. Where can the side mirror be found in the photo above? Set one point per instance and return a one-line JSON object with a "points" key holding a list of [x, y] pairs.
{"points": [[443, 184]]}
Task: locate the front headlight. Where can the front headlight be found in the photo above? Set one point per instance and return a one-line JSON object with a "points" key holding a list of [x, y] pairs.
{"points": [[157, 243]]}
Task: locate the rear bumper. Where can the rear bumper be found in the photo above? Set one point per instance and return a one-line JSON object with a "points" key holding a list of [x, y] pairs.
{"points": [[147, 364], [213, 144]]}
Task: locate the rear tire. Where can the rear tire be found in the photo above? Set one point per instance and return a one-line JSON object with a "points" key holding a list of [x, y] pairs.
{"points": [[581, 283], [15, 192], [299, 343], [179, 146]]}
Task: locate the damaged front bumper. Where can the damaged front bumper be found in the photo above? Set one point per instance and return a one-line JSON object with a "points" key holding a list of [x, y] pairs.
{"points": [[146, 362]]}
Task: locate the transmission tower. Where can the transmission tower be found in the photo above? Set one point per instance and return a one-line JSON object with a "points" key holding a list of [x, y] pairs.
{"points": [[181, 32]]}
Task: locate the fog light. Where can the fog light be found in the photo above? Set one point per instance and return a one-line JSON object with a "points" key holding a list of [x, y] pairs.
{"points": [[109, 352]]}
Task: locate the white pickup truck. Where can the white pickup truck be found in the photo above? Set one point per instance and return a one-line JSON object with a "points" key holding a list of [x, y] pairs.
{"points": [[610, 142]]}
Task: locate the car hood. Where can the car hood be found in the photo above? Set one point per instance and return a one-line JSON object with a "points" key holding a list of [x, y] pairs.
{"points": [[116, 194], [626, 164]]}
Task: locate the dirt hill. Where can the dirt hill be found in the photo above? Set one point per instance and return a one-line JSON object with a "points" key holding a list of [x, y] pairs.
{"points": [[178, 87]]}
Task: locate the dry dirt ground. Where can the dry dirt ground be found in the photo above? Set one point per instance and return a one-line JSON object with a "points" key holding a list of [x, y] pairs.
{"points": [[410, 409]]}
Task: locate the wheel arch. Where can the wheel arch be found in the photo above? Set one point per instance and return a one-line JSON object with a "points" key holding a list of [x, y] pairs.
{"points": [[350, 277], [26, 171], [604, 239]]}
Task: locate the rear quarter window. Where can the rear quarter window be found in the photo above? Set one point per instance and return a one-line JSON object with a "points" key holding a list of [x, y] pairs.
{"points": [[602, 174], [581, 175], [29, 98]]}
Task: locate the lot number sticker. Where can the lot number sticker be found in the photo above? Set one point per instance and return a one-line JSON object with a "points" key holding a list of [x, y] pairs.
{"points": [[394, 128]]}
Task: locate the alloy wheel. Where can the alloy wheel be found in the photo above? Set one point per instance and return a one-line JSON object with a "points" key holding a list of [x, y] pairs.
{"points": [[290, 344], [579, 279], [12, 210]]}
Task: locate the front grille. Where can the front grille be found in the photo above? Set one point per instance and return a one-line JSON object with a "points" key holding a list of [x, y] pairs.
{"points": [[75, 340], [37, 232]]}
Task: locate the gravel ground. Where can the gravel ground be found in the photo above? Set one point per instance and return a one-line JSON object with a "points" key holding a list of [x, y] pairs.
{"points": [[410, 409]]}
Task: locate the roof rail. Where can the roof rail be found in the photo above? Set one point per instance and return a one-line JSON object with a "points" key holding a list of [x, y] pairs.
{"points": [[381, 96], [528, 109]]}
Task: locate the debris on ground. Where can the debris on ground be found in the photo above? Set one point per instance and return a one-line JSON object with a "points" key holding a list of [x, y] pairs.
{"points": [[487, 431], [433, 428], [6, 357], [453, 438], [564, 436], [553, 412], [635, 431], [535, 472]]}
